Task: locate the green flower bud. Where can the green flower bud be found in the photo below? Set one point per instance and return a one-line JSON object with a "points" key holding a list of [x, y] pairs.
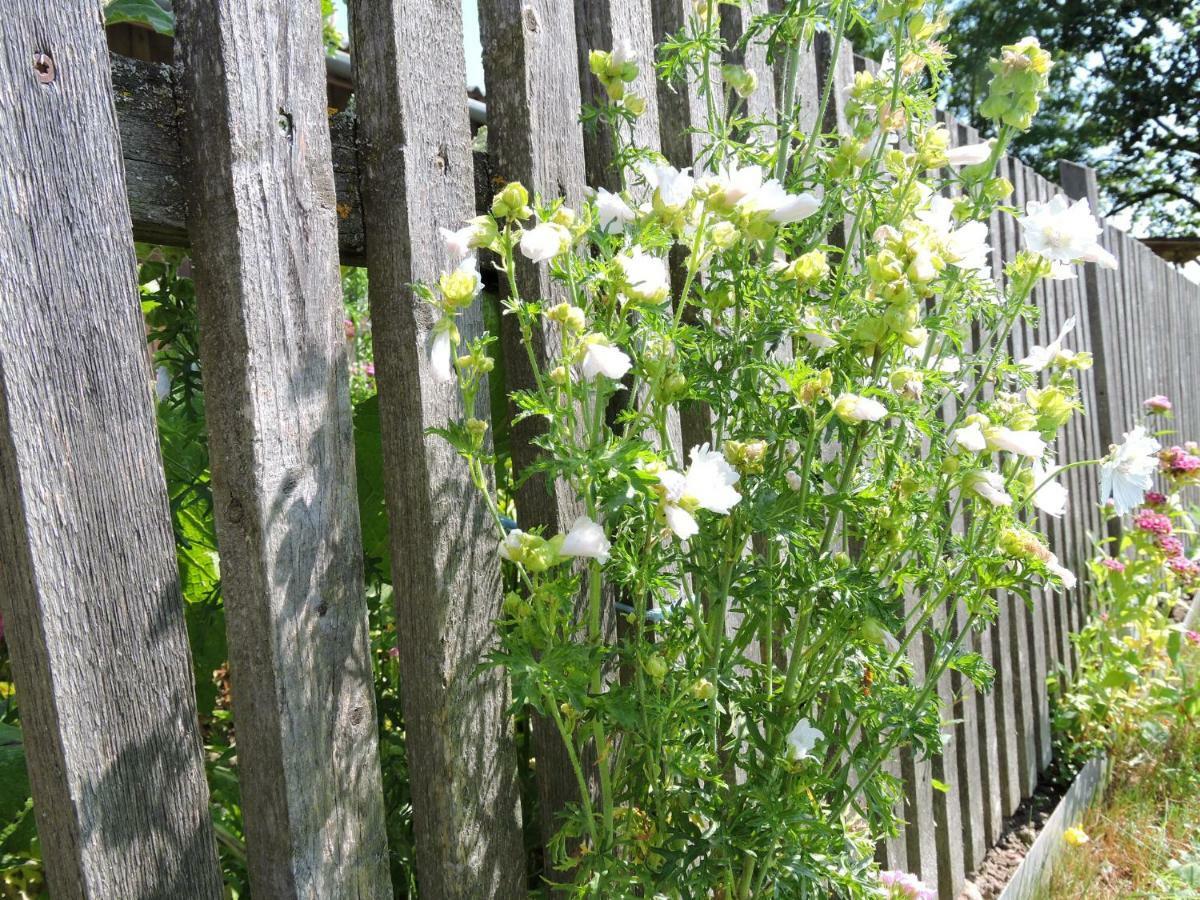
{"points": [[703, 689], [512, 202], [655, 666]]}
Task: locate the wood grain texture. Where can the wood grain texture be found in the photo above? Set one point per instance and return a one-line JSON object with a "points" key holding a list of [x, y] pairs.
{"points": [[416, 166], [534, 137], [89, 588], [262, 218]]}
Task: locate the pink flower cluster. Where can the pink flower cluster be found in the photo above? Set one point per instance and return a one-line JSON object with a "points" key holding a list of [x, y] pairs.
{"points": [[1159, 404], [1152, 522], [1193, 637], [1170, 545], [1114, 565], [1181, 463], [906, 885], [1184, 568], [1156, 498]]}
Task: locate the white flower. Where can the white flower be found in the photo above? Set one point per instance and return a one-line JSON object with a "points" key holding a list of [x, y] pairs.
{"points": [[1064, 232], [622, 53], [545, 241], [441, 348], [707, 484], [585, 539], [814, 332], [1049, 495], [969, 438], [602, 358], [458, 243], [510, 543], [646, 277], [1128, 471], [1022, 443], [672, 187], [1040, 357], [965, 247], [736, 183], [852, 409], [782, 208], [795, 482], [612, 213], [969, 154], [990, 486], [1065, 575], [802, 740]]}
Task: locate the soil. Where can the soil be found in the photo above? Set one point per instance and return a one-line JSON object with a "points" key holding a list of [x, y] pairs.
{"points": [[1020, 831]]}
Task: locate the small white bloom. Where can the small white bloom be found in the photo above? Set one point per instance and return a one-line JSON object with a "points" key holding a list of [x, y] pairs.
{"points": [[602, 358], [795, 482], [1063, 232], [1040, 357], [441, 349], [814, 332], [969, 438], [965, 247], [458, 243], [852, 409], [545, 241], [586, 540], [1101, 257], [969, 154], [1128, 471], [1064, 574], [707, 484], [990, 486], [612, 213], [672, 187], [622, 53], [510, 543], [784, 208], [1049, 496], [802, 740], [1022, 443], [646, 277]]}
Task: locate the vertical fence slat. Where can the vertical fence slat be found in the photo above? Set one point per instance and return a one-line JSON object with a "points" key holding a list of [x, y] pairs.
{"points": [[601, 25], [263, 226], [534, 137], [416, 168], [89, 587]]}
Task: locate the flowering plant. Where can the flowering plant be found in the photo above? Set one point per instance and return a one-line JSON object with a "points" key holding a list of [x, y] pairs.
{"points": [[1131, 678], [776, 453]]}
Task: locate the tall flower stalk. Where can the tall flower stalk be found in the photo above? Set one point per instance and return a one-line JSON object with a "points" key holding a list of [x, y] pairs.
{"points": [[870, 469]]}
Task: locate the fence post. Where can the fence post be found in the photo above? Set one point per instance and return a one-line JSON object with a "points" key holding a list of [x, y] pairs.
{"points": [[264, 233], [534, 137], [417, 177], [89, 587]]}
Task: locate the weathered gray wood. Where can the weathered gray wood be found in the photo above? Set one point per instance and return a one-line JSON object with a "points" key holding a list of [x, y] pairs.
{"points": [[751, 52], [417, 176], [947, 812], [89, 588], [920, 839], [262, 218], [534, 137], [602, 25]]}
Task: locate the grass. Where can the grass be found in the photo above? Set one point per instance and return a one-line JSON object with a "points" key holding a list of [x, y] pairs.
{"points": [[1144, 837]]}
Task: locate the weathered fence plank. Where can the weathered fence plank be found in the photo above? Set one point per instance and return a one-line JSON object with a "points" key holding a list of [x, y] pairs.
{"points": [[417, 177], [262, 220], [534, 137], [89, 588]]}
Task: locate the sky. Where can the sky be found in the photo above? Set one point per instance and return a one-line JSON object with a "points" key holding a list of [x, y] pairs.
{"points": [[472, 48]]}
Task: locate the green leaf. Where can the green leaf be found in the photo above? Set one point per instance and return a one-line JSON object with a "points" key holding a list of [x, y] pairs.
{"points": [[939, 786], [140, 12]]}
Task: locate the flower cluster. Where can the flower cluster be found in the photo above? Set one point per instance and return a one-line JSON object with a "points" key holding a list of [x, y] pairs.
{"points": [[1181, 464], [779, 461], [905, 886]]}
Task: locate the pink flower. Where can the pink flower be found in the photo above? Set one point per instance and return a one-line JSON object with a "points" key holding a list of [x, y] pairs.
{"points": [[369, 369], [1170, 545], [1114, 565], [1193, 637], [348, 324], [905, 885], [1184, 567], [1178, 463], [1155, 498], [1158, 404], [1152, 522]]}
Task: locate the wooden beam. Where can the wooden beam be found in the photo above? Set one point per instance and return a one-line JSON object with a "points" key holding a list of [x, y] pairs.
{"points": [[89, 586], [261, 213]]}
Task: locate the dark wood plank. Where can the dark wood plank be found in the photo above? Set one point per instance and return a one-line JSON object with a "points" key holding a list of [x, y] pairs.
{"points": [[89, 588], [262, 219], [534, 137], [417, 178]]}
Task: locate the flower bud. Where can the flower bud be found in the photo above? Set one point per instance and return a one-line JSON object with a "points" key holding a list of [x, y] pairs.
{"points": [[512, 202], [702, 689], [740, 79], [655, 666], [746, 456]]}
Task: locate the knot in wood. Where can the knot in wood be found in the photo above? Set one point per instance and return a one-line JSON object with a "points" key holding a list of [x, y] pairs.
{"points": [[43, 65], [530, 18]]}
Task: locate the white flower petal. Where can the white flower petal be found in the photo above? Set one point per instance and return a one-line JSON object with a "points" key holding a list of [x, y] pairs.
{"points": [[586, 540]]}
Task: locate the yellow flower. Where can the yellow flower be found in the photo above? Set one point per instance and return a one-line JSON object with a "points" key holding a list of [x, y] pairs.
{"points": [[1075, 837]]}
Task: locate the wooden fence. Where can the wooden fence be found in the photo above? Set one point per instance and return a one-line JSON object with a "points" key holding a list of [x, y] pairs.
{"points": [[234, 153]]}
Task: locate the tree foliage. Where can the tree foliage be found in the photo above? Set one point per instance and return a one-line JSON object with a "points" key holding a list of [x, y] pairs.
{"points": [[1123, 96]]}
